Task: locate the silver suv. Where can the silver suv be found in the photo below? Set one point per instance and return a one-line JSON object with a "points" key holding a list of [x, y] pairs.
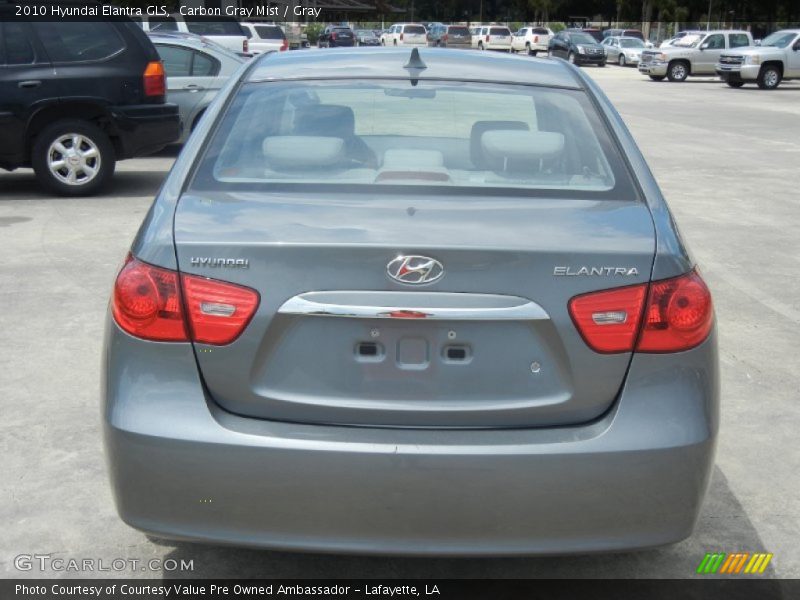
{"points": [[777, 58], [693, 54]]}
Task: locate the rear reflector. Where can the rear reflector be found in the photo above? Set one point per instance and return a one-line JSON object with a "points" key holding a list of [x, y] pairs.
{"points": [[151, 303], [673, 315], [155, 79], [679, 315], [218, 311], [147, 302], [608, 320]]}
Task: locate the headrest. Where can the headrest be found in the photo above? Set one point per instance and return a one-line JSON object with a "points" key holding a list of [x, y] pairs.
{"points": [[522, 145], [302, 151], [476, 154]]}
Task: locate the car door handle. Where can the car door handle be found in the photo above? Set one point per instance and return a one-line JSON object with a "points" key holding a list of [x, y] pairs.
{"points": [[33, 83], [193, 88]]}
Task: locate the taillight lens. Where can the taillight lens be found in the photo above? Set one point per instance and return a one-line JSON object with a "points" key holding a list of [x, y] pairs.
{"points": [[155, 79], [218, 311], [536, 39], [675, 314], [147, 302], [284, 45], [245, 46], [152, 303], [401, 37], [679, 315], [609, 320], [487, 37]]}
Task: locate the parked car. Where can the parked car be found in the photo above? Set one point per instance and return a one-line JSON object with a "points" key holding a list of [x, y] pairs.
{"points": [[634, 33], [577, 47], [775, 60], [367, 37], [493, 37], [76, 97], [531, 40], [295, 360], [623, 50], [450, 36], [595, 33], [196, 69], [336, 36], [226, 32], [693, 54], [265, 37], [405, 34]]}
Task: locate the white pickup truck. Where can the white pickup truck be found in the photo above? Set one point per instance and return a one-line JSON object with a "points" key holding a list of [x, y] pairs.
{"points": [[775, 60]]}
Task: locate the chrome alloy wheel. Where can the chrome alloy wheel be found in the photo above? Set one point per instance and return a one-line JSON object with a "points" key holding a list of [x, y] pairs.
{"points": [[74, 159]]}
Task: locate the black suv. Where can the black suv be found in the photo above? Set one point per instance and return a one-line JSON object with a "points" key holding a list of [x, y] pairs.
{"points": [[578, 47], [75, 97], [336, 36]]}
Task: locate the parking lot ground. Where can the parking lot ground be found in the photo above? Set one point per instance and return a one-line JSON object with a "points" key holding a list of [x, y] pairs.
{"points": [[726, 159]]}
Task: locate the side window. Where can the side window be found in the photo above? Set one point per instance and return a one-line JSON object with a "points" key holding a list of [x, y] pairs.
{"points": [[738, 40], [78, 41], [715, 41], [177, 61], [17, 46], [204, 65]]}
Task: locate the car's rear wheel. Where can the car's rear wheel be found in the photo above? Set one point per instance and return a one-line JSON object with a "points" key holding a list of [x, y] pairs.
{"points": [[480, 46], [621, 60], [769, 78], [657, 77], [678, 71], [735, 84], [73, 158]]}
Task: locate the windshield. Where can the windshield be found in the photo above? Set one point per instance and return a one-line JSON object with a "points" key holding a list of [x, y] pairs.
{"points": [[631, 43], [779, 39], [414, 29], [202, 26], [688, 41], [364, 33], [582, 38], [269, 32], [499, 31], [458, 31], [374, 134]]}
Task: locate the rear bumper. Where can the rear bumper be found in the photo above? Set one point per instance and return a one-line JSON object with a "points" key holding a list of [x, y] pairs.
{"points": [[182, 468], [146, 128]]}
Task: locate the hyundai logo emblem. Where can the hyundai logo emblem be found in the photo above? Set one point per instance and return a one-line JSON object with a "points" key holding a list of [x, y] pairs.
{"points": [[415, 270]]}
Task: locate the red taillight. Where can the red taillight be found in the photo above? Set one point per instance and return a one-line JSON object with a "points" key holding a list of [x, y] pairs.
{"points": [[147, 302], [608, 320], [155, 80], [333, 36], [284, 45], [536, 39], [679, 315], [401, 37], [444, 37], [487, 37], [245, 46], [675, 314], [218, 311]]}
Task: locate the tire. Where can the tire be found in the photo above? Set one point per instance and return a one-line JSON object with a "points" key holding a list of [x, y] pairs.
{"points": [[735, 84], [480, 46], [395, 42], [657, 77], [769, 77], [55, 145], [621, 59], [528, 50], [677, 71], [602, 64]]}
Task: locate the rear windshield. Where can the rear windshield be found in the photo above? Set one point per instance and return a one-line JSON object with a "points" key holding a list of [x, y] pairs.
{"points": [[266, 32], [206, 27], [500, 31], [371, 135], [413, 29], [458, 31], [631, 43]]}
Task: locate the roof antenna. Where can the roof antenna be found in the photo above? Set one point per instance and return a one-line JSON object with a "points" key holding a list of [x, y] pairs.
{"points": [[415, 65]]}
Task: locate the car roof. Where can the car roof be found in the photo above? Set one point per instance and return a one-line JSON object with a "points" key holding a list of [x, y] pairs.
{"points": [[389, 63]]}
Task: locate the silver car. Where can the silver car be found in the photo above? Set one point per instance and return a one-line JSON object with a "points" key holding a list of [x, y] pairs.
{"points": [[366, 315], [196, 69], [623, 50]]}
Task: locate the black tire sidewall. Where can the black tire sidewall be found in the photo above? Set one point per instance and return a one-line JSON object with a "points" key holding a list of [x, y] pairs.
{"points": [[46, 137]]}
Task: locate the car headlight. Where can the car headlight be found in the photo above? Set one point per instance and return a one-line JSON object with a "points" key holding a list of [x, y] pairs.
{"points": [[581, 50], [662, 57], [753, 59]]}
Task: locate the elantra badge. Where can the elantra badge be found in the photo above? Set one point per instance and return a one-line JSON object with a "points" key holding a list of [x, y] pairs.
{"points": [[415, 270]]}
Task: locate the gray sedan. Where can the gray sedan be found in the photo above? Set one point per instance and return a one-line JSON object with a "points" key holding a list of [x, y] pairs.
{"points": [[196, 69], [365, 315], [623, 50]]}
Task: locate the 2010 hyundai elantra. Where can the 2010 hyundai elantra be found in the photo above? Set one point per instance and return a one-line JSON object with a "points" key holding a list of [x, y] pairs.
{"points": [[421, 302]]}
